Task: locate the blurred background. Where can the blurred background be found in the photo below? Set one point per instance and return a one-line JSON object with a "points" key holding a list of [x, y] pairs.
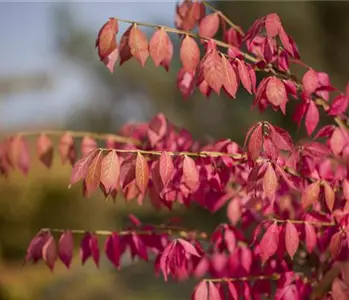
{"points": [[51, 78]]}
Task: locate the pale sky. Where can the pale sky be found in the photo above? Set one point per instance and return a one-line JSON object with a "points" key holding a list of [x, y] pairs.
{"points": [[27, 46]]}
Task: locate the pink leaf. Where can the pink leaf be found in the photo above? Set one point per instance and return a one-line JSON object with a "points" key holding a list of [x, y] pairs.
{"points": [[291, 239], [269, 242], [312, 118], [190, 173]]}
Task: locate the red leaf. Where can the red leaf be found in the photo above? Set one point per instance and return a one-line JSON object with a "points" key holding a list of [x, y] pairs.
{"points": [[66, 248], [337, 141], [19, 154], [310, 237], [234, 211], [311, 194], [159, 47], [270, 182], [81, 167], [106, 43], [44, 149], [138, 44], [335, 244], [190, 173], [272, 25], [142, 173], [88, 144], [339, 105], [291, 239], [345, 188], [49, 252], [276, 92], [125, 51], [312, 118], [113, 249], [255, 143], [244, 75], [232, 292], [310, 81], [189, 54], [339, 290], [166, 168], [89, 247], [230, 83], [188, 247], [93, 175], [66, 148], [211, 70], [201, 291], [110, 171], [281, 138], [269, 243], [209, 25], [329, 196], [34, 251]]}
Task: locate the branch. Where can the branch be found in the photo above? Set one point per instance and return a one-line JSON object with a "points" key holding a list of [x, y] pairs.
{"points": [[81, 134]]}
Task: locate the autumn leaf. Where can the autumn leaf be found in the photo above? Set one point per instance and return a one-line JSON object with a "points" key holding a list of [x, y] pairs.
{"points": [[138, 44], [142, 173], [190, 173], [160, 46], [276, 92], [269, 242], [230, 83], [291, 239], [166, 168], [189, 54], [270, 182], [311, 194], [44, 149], [110, 171], [209, 25], [93, 176]]}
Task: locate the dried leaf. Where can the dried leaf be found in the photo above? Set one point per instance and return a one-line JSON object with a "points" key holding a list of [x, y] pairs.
{"points": [[142, 173]]}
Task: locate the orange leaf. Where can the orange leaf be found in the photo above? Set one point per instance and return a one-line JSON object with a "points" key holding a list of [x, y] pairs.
{"points": [[142, 173], [110, 171], [138, 45], [230, 83], [189, 54], [93, 176], [329, 196], [311, 194], [159, 46], [270, 182]]}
